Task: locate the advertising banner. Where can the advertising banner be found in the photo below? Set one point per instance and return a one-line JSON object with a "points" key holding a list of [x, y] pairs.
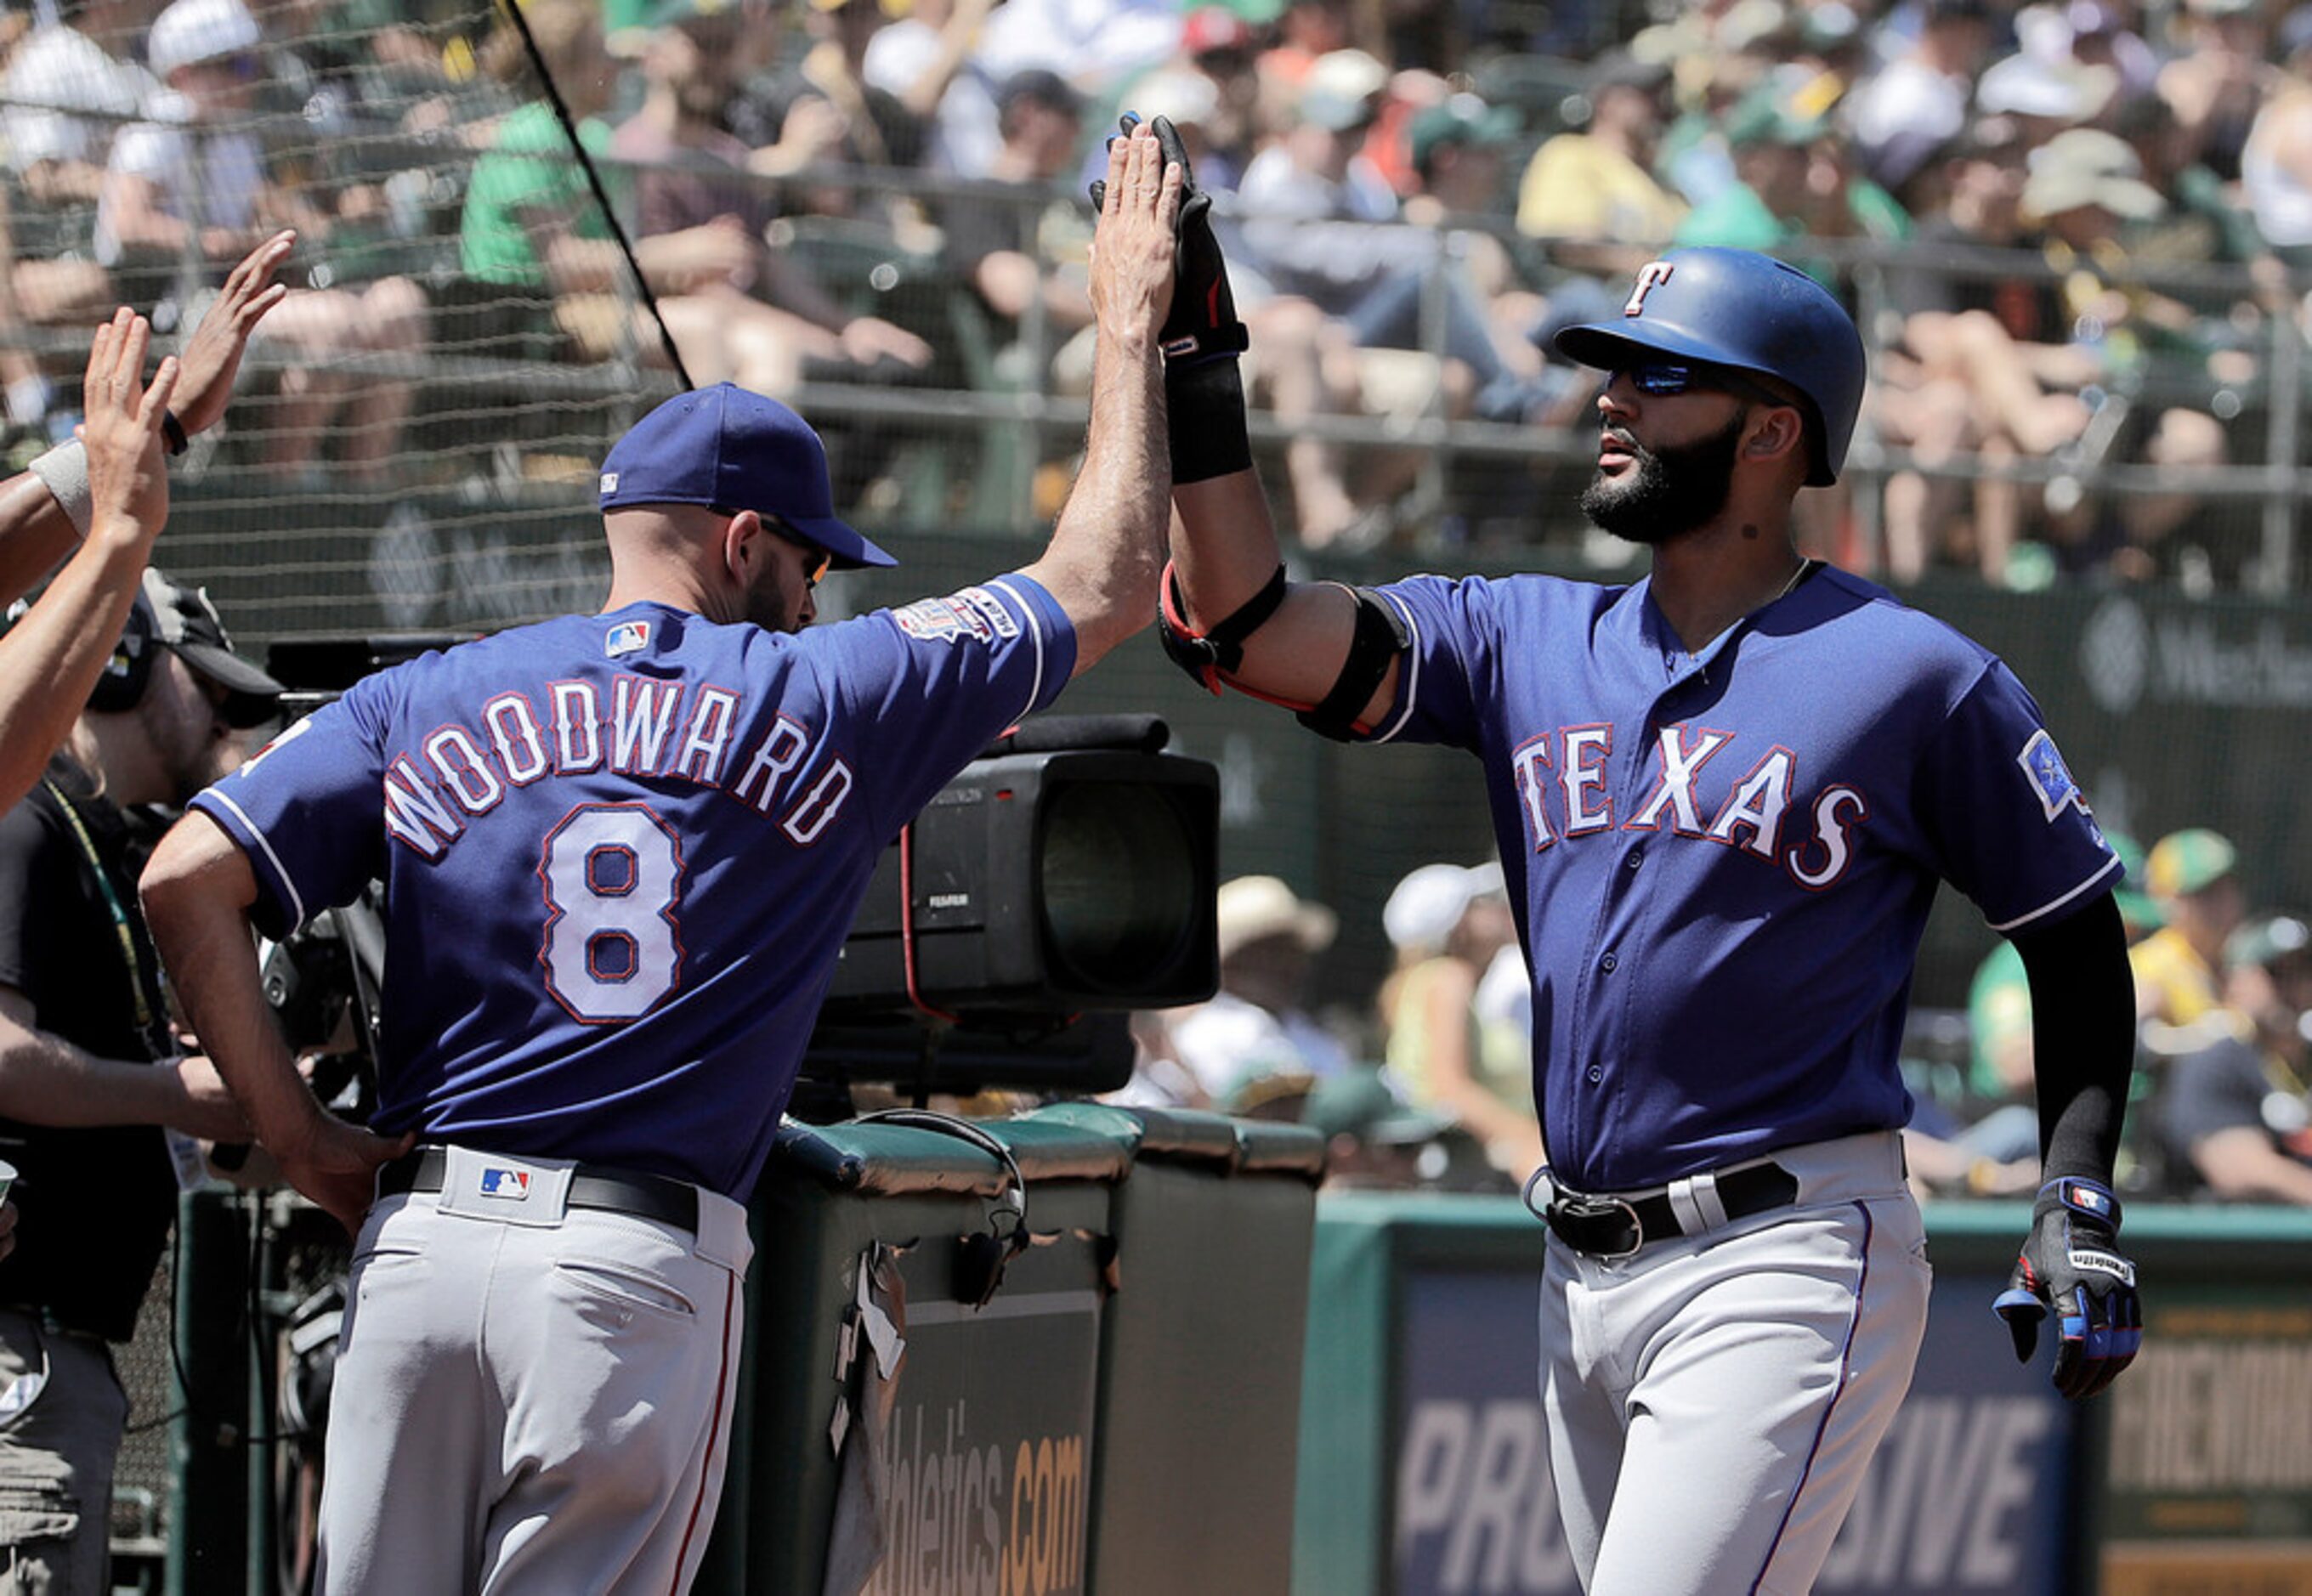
{"points": [[2208, 1482], [984, 1466]]}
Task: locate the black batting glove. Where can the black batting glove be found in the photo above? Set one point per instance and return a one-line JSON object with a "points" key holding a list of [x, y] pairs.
{"points": [[2072, 1263], [1201, 337], [1202, 323]]}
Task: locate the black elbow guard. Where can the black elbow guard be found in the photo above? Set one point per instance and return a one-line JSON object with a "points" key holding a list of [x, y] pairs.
{"points": [[1206, 657], [1381, 635]]}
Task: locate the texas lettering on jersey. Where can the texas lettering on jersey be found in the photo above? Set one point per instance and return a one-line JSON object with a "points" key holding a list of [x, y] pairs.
{"points": [[1562, 780], [643, 726]]}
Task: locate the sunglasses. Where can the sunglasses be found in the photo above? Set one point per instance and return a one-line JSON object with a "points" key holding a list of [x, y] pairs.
{"points": [[1660, 381], [818, 562]]}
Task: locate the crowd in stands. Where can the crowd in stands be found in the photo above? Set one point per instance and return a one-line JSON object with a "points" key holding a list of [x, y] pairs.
{"points": [[2072, 228], [1429, 1083]]}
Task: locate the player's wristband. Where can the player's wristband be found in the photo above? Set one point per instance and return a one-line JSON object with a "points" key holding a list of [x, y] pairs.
{"points": [[1203, 407], [64, 470], [173, 432]]}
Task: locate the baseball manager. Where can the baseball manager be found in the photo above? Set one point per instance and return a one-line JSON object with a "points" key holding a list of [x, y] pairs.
{"points": [[621, 853]]}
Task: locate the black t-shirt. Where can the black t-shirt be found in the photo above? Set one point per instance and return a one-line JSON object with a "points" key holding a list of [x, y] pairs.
{"points": [[93, 1205], [2220, 1087]]}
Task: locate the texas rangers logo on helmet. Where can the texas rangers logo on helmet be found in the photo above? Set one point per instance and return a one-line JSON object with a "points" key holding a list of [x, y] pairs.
{"points": [[1651, 276]]}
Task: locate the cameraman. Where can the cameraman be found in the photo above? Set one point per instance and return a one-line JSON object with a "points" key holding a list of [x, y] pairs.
{"points": [[89, 1075]]}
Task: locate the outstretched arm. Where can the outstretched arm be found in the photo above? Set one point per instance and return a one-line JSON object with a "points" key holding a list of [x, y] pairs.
{"points": [[1109, 547], [1223, 541], [197, 893]]}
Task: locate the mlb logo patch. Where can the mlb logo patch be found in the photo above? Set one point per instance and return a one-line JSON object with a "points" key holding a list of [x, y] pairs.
{"points": [[513, 1184], [628, 637], [2050, 778], [2088, 1200]]}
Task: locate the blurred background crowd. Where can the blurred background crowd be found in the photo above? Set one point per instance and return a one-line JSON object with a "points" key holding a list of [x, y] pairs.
{"points": [[2074, 232]]}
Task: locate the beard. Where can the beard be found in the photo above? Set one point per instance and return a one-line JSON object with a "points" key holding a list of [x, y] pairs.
{"points": [[1669, 493]]}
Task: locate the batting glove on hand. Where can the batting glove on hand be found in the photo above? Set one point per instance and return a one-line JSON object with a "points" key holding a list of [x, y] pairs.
{"points": [[2072, 1263], [1202, 322]]}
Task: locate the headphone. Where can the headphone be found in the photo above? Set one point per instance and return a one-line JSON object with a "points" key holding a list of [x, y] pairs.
{"points": [[122, 684], [980, 1257]]}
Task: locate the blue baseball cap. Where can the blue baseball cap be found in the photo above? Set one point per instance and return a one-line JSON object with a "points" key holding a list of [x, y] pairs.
{"points": [[730, 448]]}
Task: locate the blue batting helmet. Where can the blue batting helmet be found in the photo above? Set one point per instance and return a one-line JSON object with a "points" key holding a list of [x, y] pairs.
{"points": [[1751, 312]]}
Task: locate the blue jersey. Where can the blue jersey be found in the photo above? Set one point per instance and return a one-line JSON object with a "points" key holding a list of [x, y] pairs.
{"points": [[1722, 863], [621, 853]]}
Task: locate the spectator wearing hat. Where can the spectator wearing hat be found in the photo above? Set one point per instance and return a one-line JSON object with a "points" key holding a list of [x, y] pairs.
{"points": [[192, 185], [750, 314], [1596, 186], [1792, 181], [2193, 877], [1257, 1025], [93, 1081], [2087, 192], [1448, 922], [2237, 1114], [1918, 101]]}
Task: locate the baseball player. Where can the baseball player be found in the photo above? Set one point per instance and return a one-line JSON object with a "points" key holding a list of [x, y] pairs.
{"points": [[1724, 796], [621, 853]]}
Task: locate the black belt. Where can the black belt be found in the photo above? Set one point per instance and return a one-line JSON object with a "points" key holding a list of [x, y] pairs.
{"points": [[646, 1197], [1618, 1227]]}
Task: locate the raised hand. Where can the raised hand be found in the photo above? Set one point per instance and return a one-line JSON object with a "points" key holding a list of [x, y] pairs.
{"points": [[1133, 249], [211, 357], [127, 470]]}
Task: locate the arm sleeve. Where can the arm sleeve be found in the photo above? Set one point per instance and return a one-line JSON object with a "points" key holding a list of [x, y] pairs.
{"points": [[2082, 1036], [307, 811], [929, 686]]}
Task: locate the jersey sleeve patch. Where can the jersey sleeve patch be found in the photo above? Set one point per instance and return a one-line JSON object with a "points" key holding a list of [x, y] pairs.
{"points": [[975, 613], [2049, 777]]}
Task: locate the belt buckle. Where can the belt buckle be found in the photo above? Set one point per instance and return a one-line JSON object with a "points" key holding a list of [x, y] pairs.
{"points": [[1583, 1206]]}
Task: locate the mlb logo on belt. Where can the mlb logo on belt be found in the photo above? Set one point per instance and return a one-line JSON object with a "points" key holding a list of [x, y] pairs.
{"points": [[626, 638], [513, 1184]]}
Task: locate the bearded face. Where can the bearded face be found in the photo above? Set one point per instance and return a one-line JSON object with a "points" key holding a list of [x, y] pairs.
{"points": [[1665, 492]]}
